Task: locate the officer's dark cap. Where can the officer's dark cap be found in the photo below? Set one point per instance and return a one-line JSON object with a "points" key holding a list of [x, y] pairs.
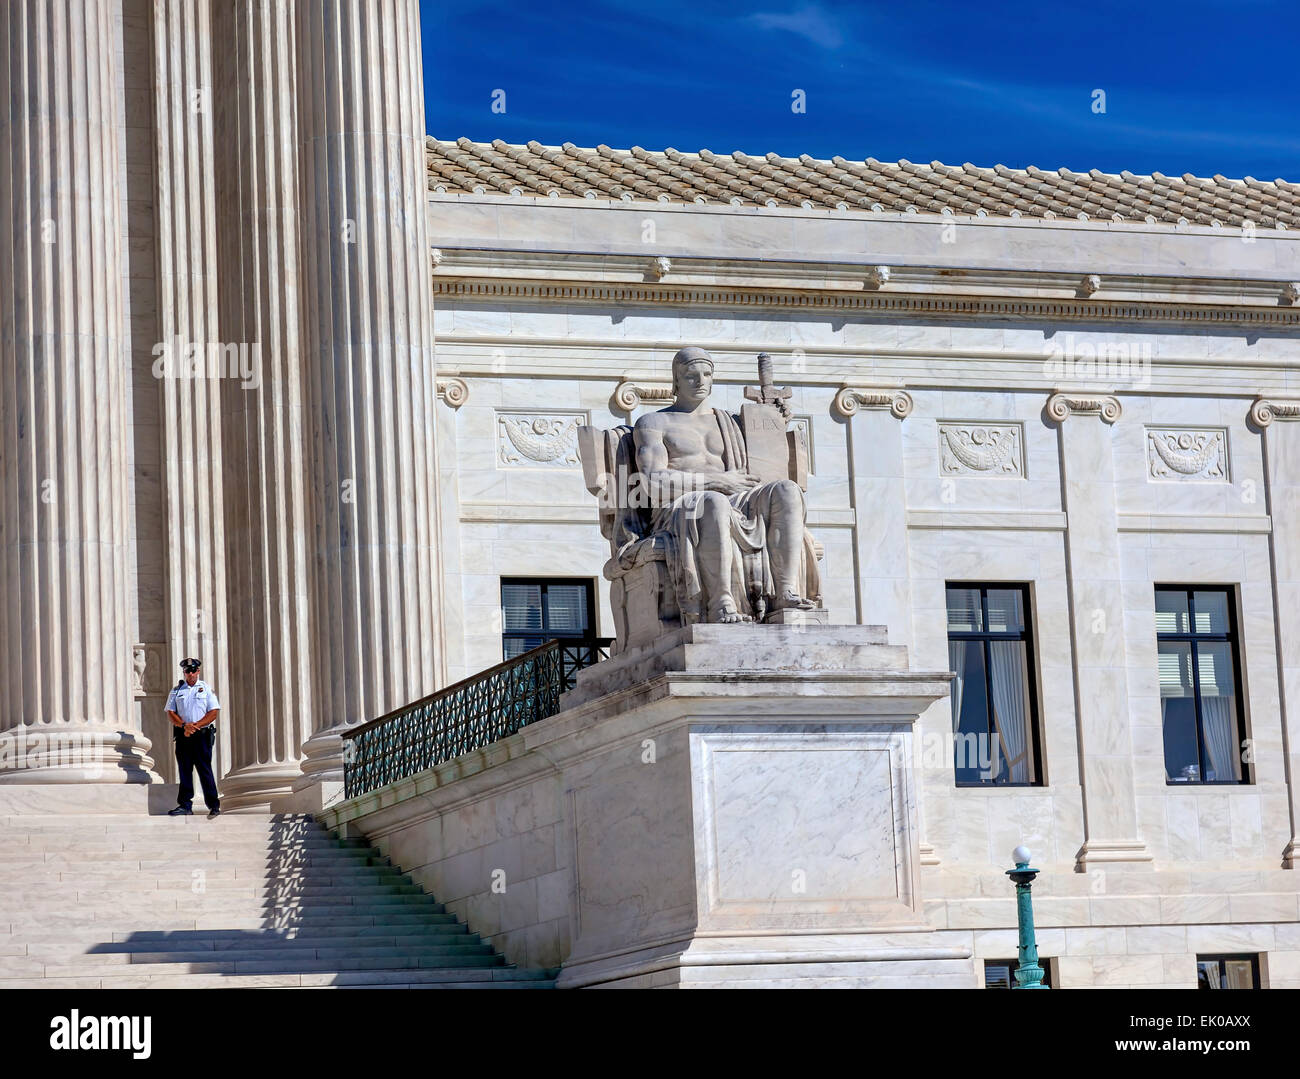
{"points": [[190, 664]]}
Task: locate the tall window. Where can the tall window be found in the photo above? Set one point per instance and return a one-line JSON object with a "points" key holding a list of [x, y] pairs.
{"points": [[994, 712], [1200, 694], [1227, 972], [534, 611]]}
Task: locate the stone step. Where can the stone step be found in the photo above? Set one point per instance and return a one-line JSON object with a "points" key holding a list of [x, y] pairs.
{"points": [[214, 851], [481, 978], [96, 903], [260, 966], [73, 896], [33, 876], [122, 860], [198, 821], [111, 922], [164, 847], [83, 940], [242, 963], [65, 964], [213, 832], [240, 908], [456, 937]]}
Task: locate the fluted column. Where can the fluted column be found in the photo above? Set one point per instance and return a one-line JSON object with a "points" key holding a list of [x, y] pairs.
{"points": [[195, 359], [370, 346], [272, 690], [65, 637], [1097, 630]]}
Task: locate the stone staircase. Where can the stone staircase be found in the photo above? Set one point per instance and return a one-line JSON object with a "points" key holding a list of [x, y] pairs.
{"points": [[241, 901]]}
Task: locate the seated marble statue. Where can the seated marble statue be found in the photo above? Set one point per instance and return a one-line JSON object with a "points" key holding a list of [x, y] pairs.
{"points": [[736, 547]]}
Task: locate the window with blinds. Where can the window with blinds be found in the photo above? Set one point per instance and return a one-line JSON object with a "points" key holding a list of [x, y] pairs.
{"points": [[1200, 693], [535, 610], [994, 706], [1001, 973]]}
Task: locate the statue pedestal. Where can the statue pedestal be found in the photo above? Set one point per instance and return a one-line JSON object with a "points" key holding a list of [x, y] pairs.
{"points": [[740, 807]]}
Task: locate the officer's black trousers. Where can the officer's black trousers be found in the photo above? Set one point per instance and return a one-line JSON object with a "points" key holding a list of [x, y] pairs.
{"points": [[196, 752]]}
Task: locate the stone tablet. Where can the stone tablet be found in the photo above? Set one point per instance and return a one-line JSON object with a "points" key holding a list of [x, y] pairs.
{"points": [[765, 442]]}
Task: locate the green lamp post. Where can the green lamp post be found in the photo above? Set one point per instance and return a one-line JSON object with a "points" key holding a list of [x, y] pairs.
{"points": [[1029, 974]]}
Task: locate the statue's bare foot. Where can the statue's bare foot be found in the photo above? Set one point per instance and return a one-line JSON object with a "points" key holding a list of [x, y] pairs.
{"points": [[725, 611], [791, 601]]}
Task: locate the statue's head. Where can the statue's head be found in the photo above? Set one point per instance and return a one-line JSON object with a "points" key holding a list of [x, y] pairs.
{"points": [[692, 374]]}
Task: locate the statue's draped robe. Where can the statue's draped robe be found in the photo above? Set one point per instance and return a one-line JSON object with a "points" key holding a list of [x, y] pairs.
{"points": [[751, 569]]}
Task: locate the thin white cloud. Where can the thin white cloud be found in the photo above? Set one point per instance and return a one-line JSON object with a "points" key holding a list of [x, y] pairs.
{"points": [[809, 22]]}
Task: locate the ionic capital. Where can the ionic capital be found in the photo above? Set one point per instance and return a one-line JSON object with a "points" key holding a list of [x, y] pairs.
{"points": [[1061, 405], [630, 395], [455, 391], [1267, 409], [852, 398]]}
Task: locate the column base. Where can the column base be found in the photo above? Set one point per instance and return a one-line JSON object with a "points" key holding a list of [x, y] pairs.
{"points": [[322, 761], [85, 754], [313, 798], [257, 786], [1291, 856], [1095, 852]]}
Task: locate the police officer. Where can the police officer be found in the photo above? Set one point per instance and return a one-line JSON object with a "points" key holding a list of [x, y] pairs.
{"points": [[192, 707]]}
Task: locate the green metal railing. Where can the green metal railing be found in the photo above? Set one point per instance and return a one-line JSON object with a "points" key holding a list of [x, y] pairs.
{"points": [[465, 716]]}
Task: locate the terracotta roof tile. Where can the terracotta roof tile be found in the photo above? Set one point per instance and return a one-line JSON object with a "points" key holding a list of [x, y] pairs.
{"points": [[569, 171]]}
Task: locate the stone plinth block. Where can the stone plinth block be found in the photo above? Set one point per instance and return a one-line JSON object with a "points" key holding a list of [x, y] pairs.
{"points": [[733, 806], [744, 813]]}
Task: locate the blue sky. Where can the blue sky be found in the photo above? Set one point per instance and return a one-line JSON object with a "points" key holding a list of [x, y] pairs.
{"points": [[1193, 86]]}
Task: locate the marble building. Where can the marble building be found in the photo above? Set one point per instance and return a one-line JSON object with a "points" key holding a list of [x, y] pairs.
{"points": [[1073, 394], [291, 386]]}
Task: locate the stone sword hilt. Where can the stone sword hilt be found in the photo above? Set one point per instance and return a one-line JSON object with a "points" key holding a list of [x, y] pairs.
{"points": [[765, 393]]}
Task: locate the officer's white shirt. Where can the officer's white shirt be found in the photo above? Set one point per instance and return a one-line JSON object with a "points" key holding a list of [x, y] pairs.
{"points": [[194, 702]]}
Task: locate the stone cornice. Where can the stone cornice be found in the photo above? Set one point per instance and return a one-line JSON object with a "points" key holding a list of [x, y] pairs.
{"points": [[1061, 405], [851, 399], [454, 391], [1267, 409], [1021, 308]]}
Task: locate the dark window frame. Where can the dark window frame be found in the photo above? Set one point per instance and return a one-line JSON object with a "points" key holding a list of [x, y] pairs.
{"points": [[1222, 959], [1031, 674], [546, 634], [1233, 639]]}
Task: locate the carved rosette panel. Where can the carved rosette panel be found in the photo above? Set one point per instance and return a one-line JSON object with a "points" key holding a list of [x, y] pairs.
{"points": [[1183, 454], [536, 440], [981, 449]]}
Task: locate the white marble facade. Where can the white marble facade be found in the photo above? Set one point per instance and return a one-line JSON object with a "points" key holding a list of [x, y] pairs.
{"points": [[1086, 407], [551, 309]]}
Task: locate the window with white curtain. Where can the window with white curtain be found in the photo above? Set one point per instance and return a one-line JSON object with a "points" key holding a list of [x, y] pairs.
{"points": [[1200, 694], [1227, 971], [994, 708], [535, 610]]}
